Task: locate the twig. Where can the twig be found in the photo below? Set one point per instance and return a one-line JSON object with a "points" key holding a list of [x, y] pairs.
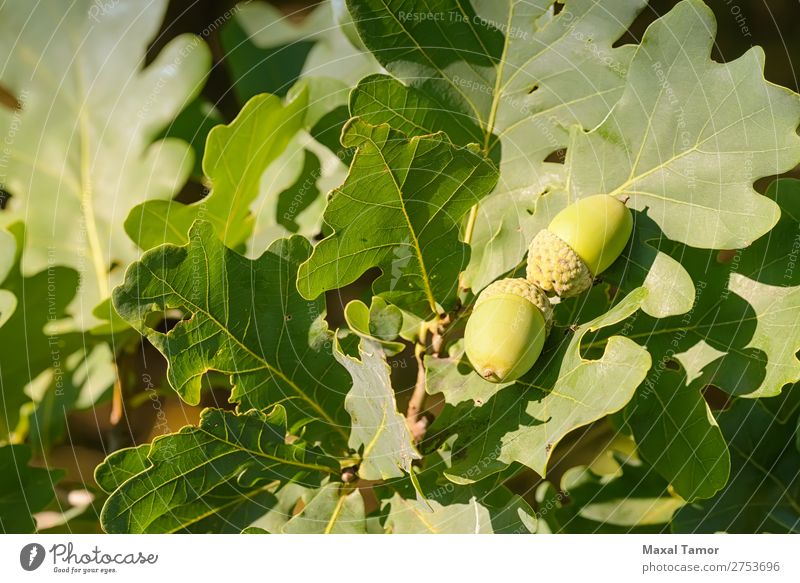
{"points": [[417, 424]]}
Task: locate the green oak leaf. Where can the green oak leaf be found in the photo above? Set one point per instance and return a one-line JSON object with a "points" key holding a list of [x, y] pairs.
{"points": [[689, 136], [382, 99], [333, 510], [235, 157], [120, 466], [784, 406], [291, 195], [102, 117], [216, 477], [246, 320], [514, 74], [676, 433], [29, 350], [763, 494], [379, 432], [523, 421], [23, 489], [417, 190], [635, 500]]}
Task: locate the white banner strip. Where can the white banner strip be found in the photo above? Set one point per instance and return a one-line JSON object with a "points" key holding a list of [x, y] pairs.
{"points": [[121, 558]]}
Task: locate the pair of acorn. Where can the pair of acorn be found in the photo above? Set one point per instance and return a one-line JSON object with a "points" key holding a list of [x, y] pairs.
{"points": [[512, 317]]}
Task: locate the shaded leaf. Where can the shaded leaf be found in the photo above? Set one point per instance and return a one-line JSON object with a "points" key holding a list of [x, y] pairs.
{"points": [[523, 421], [763, 494], [331, 54], [677, 434], [24, 490], [287, 500], [380, 323], [28, 349], [636, 500], [482, 508], [741, 334], [255, 69], [246, 320]]}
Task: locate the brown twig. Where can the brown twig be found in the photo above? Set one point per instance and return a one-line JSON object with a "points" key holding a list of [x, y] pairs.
{"points": [[417, 423]]}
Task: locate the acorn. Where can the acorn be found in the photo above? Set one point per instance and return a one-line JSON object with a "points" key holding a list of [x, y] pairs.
{"points": [[507, 329], [581, 242]]}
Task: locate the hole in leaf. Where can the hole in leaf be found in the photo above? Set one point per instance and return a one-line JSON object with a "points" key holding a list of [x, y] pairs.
{"points": [[726, 255], [5, 196], [192, 191], [8, 100], [672, 365], [716, 398], [557, 7], [161, 321], [533, 88], [557, 156]]}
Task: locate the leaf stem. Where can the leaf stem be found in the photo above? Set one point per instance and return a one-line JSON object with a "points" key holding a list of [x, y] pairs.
{"points": [[470, 229]]}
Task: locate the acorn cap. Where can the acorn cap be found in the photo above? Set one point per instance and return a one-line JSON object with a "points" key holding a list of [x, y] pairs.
{"points": [[521, 287], [555, 267]]}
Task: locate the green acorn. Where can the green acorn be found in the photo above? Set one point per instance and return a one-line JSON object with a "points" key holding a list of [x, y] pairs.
{"points": [[582, 241], [507, 329]]}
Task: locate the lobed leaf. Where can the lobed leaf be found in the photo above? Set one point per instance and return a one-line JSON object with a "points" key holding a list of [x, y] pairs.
{"points": [[84, 86], [246, 320], [217, 477], [378, 432], [28, 349], [399, 209], [235, 157], [634, 500], [689, 136]]}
